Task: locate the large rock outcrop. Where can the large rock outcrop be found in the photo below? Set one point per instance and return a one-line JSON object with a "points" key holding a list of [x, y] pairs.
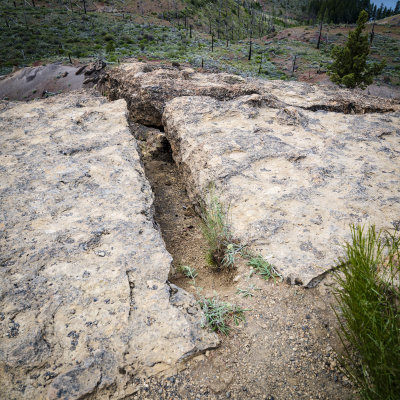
{"points": [[147, 87], [85, 306], [294, 179], [297, 163]]}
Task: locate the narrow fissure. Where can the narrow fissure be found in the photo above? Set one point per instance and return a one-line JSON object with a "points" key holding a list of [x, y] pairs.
{"points": [[180, 225]]}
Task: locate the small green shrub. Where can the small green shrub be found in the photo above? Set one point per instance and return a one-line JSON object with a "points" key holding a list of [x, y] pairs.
{"points": [[188, 271], [218, 314], [110, 47], [263, 267], [368, 295], [108, 37]]}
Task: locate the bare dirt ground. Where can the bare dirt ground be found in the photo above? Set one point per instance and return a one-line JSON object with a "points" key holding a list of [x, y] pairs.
{"points": [[41, 81], [284, 349]]}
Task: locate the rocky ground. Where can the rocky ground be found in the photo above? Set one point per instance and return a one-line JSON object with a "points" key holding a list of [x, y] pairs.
{"points": [[286, 347], [295, 163], [92, 303]]}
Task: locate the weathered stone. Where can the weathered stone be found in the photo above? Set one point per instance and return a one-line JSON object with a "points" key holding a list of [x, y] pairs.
{"points": [[84, 297], [297, 162], [148, 87], [294, 179]]}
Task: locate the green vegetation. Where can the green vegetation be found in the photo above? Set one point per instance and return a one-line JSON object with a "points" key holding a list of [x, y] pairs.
{"points": [[350, 66], [347, 11], [188, 271], [222, 248], [50, 34], [368, 295], [218, 314], [180, 31], [263, 267], [247, 292]]}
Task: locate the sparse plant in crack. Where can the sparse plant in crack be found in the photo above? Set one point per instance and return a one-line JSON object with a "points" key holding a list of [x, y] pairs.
{"points": [[218, 314], [189, 272], [231, 251], [222, 247], [262, 267]]}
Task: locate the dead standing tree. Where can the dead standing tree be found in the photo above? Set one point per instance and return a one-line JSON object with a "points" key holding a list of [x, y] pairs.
{"points": [[320, 34]]}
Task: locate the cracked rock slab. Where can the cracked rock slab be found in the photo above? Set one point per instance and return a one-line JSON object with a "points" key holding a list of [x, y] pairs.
{"points": [[84, 297], [147, 88], [294, 177]]}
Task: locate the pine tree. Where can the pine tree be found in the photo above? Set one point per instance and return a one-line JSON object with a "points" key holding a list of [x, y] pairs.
{"points": [[397, 8], [350, 66]]}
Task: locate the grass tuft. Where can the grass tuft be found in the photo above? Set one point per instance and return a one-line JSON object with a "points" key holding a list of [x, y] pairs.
{"points": [[222, 248], [218, 314], [368, 296]]}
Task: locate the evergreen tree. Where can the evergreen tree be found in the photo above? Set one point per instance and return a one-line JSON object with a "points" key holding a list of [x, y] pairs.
{"points": [[397, 8], [350, 67]]}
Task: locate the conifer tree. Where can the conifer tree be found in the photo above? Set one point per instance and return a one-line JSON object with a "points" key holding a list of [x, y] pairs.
{"points": [[350, 66]]}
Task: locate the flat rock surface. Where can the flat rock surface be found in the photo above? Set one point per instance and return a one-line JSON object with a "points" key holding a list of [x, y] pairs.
{"points": [[147, 87], [294, 175], [84, 298]]}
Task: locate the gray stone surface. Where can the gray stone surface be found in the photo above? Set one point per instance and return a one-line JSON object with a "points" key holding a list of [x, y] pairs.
{"points": [[294, 179], [85, 306], [147, 87]]}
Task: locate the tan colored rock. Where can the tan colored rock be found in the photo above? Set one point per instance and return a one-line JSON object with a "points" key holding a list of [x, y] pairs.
{"points": [[148, 87], [296, 162], [294, 179], [85, 305]]}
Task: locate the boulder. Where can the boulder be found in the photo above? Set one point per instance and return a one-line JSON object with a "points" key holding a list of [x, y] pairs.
{"points": [[86, 306], [295, 176]]}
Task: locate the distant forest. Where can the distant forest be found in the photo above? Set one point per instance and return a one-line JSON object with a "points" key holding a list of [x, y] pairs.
{"points": [[347, 11]]}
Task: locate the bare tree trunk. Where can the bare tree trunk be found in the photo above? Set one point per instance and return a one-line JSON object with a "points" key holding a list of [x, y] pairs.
{"points": [[320, 33], [371, 38], [212, 42], [294, 64], [84, 5], [250, 46], [6, 21]]}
